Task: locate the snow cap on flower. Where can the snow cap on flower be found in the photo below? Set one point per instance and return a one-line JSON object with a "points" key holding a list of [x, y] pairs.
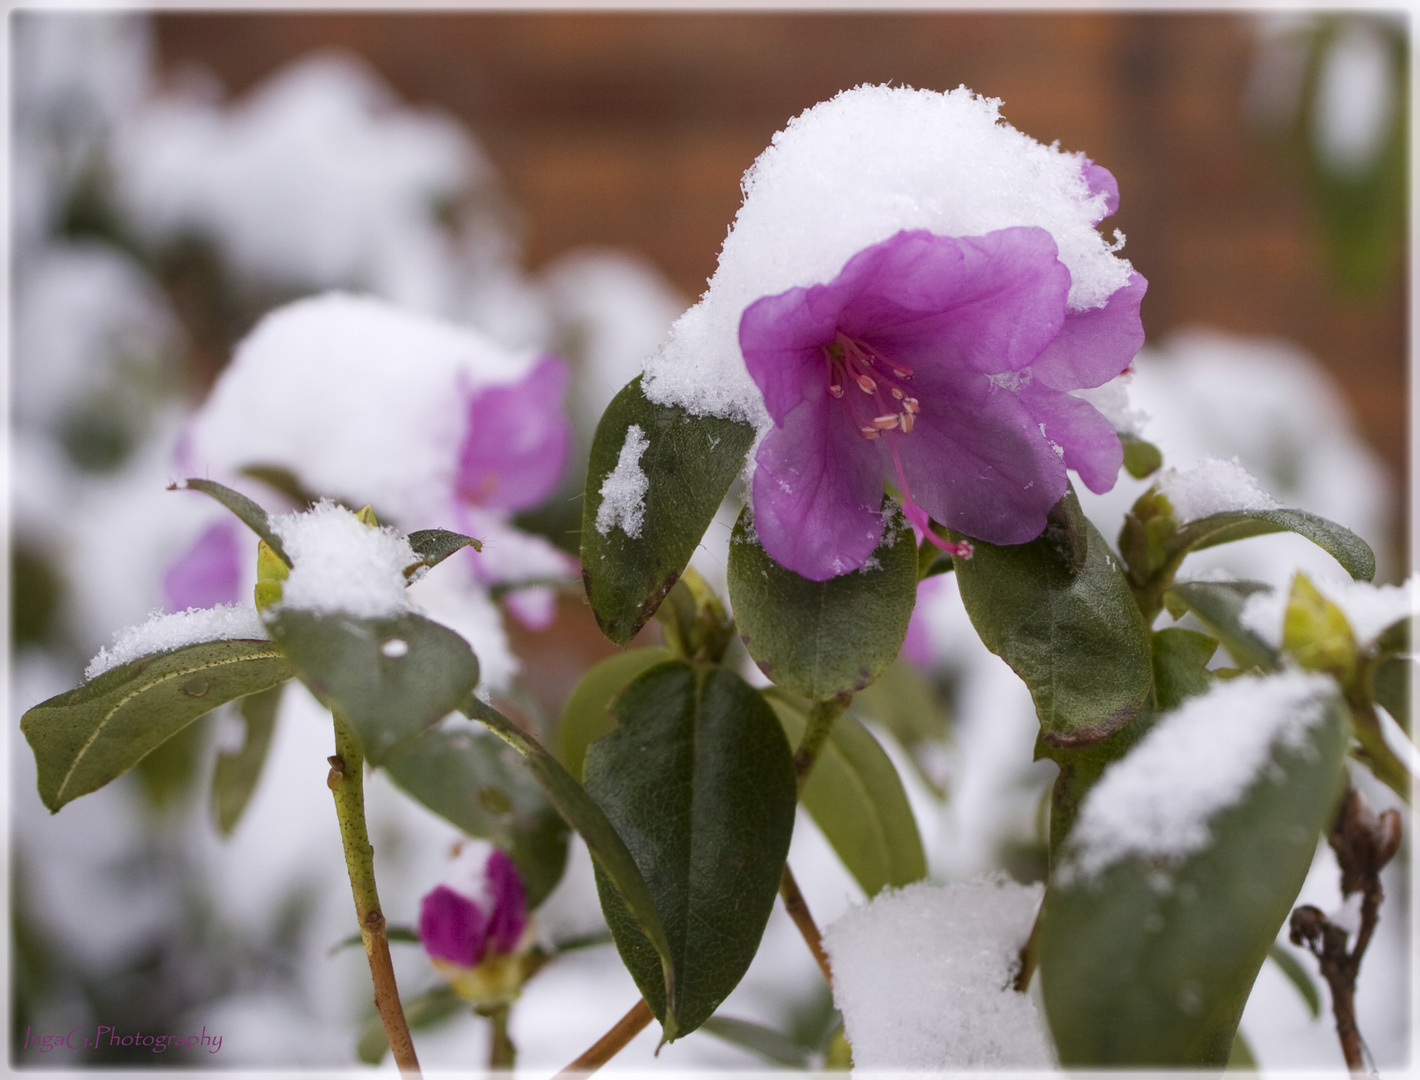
{"points": [[853, 172], [363, 400], [472, 931]]}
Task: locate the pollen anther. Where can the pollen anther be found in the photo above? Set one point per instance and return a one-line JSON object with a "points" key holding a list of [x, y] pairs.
{"points": [[866, 384], [887, 423]]}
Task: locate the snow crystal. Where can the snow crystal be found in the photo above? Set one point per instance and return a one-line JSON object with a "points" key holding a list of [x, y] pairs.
{"points": [[1370, 609], [1213, 487], [358, 397], [923, 977], [1197, 761], [340, 564], [873, 161], [164, 633], [624, 491]]}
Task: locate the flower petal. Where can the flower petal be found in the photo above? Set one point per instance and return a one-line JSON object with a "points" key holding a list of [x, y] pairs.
{"points": [[452, 927], [517, 441], [977, 462], [210, 573], [1096, 345], [1090, 444], [1102, 181], [510, 907], [780, 337], [818, 489]]}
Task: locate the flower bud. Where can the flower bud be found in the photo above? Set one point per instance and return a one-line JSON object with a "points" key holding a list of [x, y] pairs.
{"points": [[270, 573], [478, 943], [1316, 633]]}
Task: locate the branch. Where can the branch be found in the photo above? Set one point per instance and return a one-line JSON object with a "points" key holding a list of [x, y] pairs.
{"points": [[798, 910], [610, 1044]]}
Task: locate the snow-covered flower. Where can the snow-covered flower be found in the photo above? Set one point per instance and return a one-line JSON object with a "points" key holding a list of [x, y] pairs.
{"points": [[475, 933], [942, 365]]}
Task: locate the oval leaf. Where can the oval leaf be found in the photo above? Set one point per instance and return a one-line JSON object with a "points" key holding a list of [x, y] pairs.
{"points": [[250, 514], [433, 546], [84, 738], [466, 777], [1218, 605], [1339, 542], [820, 639], [609, 852], [699, 780], [235, 776], [585, 717], [1149, 964], [688, 464], [856, 798], [391, 677], [1077, 640]]}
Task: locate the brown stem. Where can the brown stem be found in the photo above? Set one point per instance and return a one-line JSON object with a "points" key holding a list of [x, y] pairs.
{"points": [[347, 784], [610, 1044], [798, 910]]}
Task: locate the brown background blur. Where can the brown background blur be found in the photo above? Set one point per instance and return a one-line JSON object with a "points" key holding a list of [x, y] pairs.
{"points": [[634, 129]]}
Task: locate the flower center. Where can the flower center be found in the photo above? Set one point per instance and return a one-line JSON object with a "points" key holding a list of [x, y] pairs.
{"points": [[873, 389]]}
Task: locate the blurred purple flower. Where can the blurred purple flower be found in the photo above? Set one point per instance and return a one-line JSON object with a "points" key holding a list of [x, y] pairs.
{"points": [[464, 932], [210, 572], [942, 365], [517, 441]]}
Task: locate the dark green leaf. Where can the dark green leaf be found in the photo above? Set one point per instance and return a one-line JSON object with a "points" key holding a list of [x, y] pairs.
{"points": [[433, 546], [585, 718], [1141, 458], [773, 1046], [820, 639], [1340, 543], [856, 798], [1297, 975], [609, 852], [391, 677], [83, 738], [251, 515], [1076, 639], [475, 781], [1391, 688], [234, 779], [689, 462], [1218, 606], [425, 1010], [1149, 964], [1240, 1057], [1080, 769], [699, 780], [1181, 665]]}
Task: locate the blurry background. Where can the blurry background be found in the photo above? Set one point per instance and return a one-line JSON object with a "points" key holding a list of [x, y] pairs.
{"points": [[564, 181]]}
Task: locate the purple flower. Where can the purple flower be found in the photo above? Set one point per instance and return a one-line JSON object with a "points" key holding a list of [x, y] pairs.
{"points": [[517, 441], [942, 366], [463, 932], [210, 572]]}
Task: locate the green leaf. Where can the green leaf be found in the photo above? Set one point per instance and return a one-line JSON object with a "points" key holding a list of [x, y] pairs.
{"points": [[1077, 640], [699, 780], [475, 781], [1218, 605], [773, 1046], [1149, 964], [1141, 458], [585, 717], [820, 639], [234, 779], [84, 738], [1390, 687], [689, 463], [904, 703], [1353, 553], [1297, 975], [424, 1010], [433, 546], [609, 852], [392, 677], [1181, 665], [250, 514], [1080, 769], [856, 798]]}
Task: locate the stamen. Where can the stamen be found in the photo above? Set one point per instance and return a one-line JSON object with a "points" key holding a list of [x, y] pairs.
{"points": [[906, 422], [866, 384], [836, 389], [887, 423], [898, 394], [869, 432], [911, 405]]}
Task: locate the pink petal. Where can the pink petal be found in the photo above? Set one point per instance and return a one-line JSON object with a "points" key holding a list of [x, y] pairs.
{"points": [[210, 572], [1101, 179], [1089, 441], [517, 441], [452, 927], [510, 909], [1096, 345]]}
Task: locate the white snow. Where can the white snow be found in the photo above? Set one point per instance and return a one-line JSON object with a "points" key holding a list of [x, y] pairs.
{"points": [[340, 564], [1355, 100], [1213, 486], [623, 492], [1114, 402], [1370, 609], [873, 161], [164, 633], [923, 976], [1200, 759], [359, 398]]}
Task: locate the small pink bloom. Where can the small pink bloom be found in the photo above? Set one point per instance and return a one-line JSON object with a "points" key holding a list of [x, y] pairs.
{"points": [[464, 931], [517, 442], [210, 572]]}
